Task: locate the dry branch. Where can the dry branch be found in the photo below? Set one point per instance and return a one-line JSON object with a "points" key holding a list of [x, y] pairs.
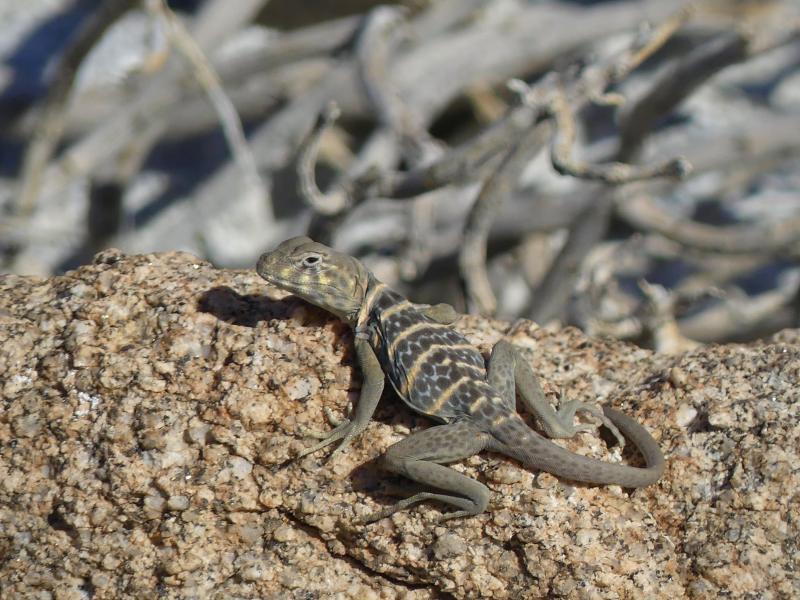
{"points": [[674, 85], [472, 258], [209, 81], [427, 188], [50, 123], [337, 198]]}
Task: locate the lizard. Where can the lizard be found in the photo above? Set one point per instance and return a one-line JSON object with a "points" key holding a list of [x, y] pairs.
{"points": [[438, 373]]}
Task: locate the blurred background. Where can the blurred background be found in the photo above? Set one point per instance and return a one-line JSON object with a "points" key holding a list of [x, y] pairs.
{"points": [[629, 167]]}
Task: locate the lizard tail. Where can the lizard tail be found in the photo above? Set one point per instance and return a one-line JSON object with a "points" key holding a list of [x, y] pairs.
{"points": [[514, 438]]}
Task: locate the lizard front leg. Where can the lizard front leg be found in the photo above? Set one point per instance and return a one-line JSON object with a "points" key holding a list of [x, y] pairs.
{"points": [[371, 390], [420, 456]]}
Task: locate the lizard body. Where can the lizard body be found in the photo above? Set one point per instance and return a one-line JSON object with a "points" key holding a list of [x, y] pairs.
{"points": [[436, 372]]}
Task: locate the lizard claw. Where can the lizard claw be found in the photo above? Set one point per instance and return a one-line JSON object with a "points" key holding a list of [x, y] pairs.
{"points": [[343, 431], [342, 445]]}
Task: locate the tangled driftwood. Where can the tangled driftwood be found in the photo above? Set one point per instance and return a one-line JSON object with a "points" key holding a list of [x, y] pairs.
{"points": [[432, 171]]}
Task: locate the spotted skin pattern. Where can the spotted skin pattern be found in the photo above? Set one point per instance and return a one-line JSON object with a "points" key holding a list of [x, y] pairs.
{"points": [[436, 372], [432, 368]]}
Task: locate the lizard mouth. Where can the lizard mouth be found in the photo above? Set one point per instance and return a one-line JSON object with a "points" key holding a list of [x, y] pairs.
{"points": [[277, 282]]}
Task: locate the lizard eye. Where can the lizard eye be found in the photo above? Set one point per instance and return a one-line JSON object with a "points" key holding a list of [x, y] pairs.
{"points": [[311, 261]]}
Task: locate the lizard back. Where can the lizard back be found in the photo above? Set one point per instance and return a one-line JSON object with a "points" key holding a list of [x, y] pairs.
{"points": [[433, 368]]}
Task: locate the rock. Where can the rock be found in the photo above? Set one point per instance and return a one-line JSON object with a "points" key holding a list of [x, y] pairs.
{"points": [[151, 406]]}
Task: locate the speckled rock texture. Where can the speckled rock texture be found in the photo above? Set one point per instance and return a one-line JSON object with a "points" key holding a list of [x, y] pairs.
{"points": [[151, 406]]}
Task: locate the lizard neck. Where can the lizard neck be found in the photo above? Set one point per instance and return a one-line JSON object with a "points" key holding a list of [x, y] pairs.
{"points": [[373, 290]]}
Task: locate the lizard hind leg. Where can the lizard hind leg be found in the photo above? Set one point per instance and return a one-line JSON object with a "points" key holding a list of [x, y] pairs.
{"points": [[419, 457], [509, 371]]}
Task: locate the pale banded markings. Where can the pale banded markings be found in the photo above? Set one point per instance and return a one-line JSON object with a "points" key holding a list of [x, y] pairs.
{"points": [[309, 287], [447, 394], [488, 408], [369, 299], [424, 357], [422, 325], [373, 294], [479, 402], [499, 419], [397, 307], [479, 371]]}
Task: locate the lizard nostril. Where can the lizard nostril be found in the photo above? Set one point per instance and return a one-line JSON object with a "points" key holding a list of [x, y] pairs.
{"points": [[262, 266]]}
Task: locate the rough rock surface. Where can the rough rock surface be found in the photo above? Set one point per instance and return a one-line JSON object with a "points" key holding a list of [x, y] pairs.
{"points": [[151, 406]]}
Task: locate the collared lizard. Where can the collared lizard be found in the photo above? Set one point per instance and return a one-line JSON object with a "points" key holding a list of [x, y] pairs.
{"points": [[439, 374]]}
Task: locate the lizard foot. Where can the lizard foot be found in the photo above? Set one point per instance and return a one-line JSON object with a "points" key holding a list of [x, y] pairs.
{"points": [[344, 431], [322, 435], [470, 507], [566, 414]]}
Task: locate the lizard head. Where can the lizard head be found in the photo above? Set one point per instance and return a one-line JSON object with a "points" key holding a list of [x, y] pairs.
{"points": [[318, 274]]}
